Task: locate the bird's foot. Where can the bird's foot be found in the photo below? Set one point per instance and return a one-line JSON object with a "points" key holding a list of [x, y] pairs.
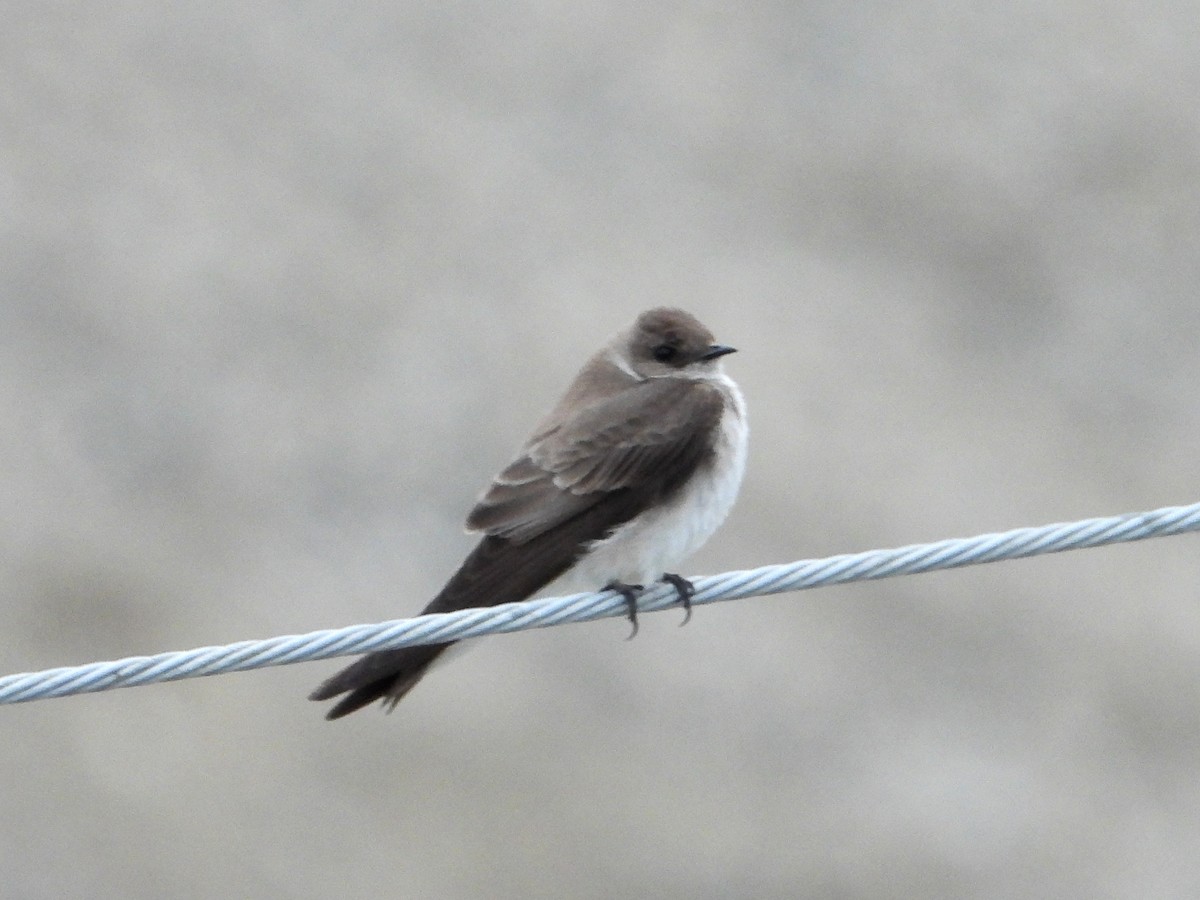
{"points": [[630, 593], [685, 589]]}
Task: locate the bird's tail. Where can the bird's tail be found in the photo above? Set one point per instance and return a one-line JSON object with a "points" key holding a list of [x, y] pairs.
{"points": [[496, 571], [386, 675]]}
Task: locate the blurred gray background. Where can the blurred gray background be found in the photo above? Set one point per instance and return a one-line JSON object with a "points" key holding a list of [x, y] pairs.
{"points": [[282, 285]]}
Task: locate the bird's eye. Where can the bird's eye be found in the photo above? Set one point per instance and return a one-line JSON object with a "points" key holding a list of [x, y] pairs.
{"points": [[664, 352]]}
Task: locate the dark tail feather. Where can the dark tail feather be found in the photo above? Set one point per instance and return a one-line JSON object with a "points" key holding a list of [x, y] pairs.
{"points": [[498, 570], [387, 675]]}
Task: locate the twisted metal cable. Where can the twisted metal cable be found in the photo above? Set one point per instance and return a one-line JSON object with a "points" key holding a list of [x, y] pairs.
{"points": [[469, 623]]}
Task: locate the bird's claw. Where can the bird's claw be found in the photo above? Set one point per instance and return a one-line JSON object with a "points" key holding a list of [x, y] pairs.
{"points": [[685, 589], [630, 592]]}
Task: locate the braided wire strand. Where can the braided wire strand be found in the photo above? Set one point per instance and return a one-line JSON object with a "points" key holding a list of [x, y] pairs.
{"points": [[549, 612]]}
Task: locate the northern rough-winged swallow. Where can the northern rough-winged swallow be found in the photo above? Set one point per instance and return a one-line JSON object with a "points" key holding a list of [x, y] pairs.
{"points": [[632, 471]]}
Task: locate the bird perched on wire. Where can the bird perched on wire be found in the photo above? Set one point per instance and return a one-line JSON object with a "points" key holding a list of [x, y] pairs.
{"points": [[633, 469]]}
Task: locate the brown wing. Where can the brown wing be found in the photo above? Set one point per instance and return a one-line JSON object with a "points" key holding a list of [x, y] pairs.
{"points": [[648, 439], [572, 486]]}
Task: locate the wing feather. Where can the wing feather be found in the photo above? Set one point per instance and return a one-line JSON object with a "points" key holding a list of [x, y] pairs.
{"points": [[648, 438]]}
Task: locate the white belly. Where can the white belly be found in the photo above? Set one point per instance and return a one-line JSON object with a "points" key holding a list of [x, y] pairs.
{"points": [[657, 541]]}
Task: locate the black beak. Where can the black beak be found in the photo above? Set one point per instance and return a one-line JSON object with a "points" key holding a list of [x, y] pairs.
{"points": [[718, 350]]}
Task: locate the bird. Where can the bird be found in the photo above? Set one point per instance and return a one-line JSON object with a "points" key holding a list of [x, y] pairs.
{"points": [[631, 471]]}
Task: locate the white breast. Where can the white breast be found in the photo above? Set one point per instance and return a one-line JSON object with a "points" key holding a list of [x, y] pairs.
{"points": [[658, 540]]}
